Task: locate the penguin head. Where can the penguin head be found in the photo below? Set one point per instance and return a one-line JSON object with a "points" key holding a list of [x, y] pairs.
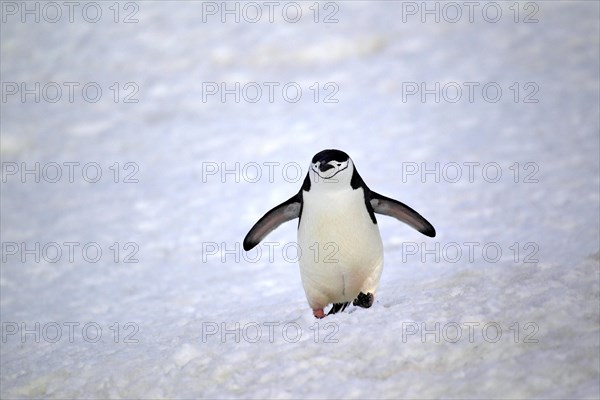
{"points": [[331, 168]]}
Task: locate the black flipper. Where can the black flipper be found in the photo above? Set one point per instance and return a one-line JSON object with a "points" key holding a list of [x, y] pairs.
{"points": [[337, 307], [286, 211], [402, 212]]}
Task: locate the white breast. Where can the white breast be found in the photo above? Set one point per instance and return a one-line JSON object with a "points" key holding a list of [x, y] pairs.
{"points": [[341, 248]]}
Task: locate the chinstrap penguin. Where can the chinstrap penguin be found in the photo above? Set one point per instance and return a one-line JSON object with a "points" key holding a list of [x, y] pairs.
{"points": [[341, 252]]}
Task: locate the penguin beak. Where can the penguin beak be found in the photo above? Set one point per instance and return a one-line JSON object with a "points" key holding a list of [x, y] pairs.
{"points": [[325, 167]]}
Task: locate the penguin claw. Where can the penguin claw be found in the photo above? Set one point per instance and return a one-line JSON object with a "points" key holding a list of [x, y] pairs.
{"points": [[364, 300], [337, 307]]}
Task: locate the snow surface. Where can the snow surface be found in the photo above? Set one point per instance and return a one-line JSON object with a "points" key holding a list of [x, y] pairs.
{"points": [[196, 321]]}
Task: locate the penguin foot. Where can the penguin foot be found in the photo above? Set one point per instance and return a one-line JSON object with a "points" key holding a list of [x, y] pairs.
{"points": [[337, 307], [364, 300], [318, 313]]}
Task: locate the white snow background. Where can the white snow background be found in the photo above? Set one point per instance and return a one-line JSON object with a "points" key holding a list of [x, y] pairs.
{"points": [[193, 317]]}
